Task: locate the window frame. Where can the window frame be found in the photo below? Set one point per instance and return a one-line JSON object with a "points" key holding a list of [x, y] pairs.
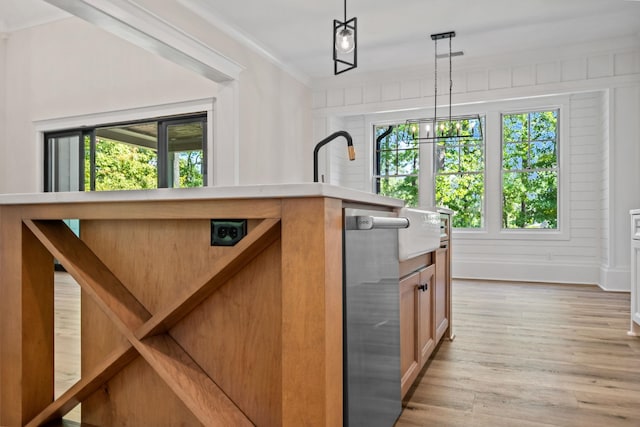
{"points": [[163, 144], [562, 204], [376, 176], [219, 128], [47, 165], [503, 171], [483, 172], [162, 123], [491, 111]]}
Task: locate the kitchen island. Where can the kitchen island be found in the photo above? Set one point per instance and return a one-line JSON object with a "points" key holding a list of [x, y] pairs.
{"points": [[176, 330]]}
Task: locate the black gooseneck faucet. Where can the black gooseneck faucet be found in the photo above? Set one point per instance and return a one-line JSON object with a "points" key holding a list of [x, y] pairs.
{"points": [[345, 134]]}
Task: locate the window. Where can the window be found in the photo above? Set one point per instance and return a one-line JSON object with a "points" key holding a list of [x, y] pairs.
{"points": [[167, 152], [64, 168], [459, 168], [459, 177], [397, 162], [530, 170], [505, 182]]}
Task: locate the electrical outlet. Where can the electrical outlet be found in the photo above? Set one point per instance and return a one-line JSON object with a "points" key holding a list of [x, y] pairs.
{"points": [[227, 232]]}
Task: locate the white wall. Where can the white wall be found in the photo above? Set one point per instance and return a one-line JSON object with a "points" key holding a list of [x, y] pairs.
{"points": [[334, 163], [275, 129], [70, 68], [601, 84], [624, 171], [573, 254]]}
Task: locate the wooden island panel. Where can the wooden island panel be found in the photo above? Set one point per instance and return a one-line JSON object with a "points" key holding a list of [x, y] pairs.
{"points": [[175, 331], [312, 312]]}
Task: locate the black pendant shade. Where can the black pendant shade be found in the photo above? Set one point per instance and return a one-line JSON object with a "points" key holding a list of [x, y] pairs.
{"points": [[345, 43]]}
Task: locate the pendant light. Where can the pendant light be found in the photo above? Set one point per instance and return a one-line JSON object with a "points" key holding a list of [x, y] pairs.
{"points": [[345, 44]]}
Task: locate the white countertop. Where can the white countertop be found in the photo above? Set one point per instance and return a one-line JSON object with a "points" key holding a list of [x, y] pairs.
{"points": [[634, 211], [234, 192]]}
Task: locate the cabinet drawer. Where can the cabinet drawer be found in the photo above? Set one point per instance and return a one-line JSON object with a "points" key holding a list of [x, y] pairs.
{"points": [[635, 227]]}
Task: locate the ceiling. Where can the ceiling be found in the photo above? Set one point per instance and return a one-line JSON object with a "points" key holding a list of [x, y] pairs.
{"points": [[391, 34], [18, 14]]}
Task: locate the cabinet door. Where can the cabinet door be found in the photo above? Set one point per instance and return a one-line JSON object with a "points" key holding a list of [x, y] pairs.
{"points": [[426, 341], [440, 293], [409, 355], [635, 287]]}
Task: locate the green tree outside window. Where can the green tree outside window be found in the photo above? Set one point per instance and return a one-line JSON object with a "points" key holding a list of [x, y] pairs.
{"points": [[459, 163], [397, 164], [530, 170], [459, 178]]}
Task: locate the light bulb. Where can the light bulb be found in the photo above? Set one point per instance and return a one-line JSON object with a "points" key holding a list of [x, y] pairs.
{"points": [[345, 42]]}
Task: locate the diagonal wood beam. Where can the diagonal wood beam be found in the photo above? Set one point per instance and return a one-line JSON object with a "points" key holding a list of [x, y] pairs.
{"points": [[87, 385], [174, 365], [190, 383], [267, 232], [92, 275]]}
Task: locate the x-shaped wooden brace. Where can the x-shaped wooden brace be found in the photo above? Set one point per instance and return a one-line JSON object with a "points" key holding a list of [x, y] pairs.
{"points": [[147, 333]]}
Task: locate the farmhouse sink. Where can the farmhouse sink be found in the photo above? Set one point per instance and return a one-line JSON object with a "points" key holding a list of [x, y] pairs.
{"points": [[423, 234]]}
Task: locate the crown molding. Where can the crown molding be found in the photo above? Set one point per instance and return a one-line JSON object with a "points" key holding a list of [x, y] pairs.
{"points": [[134, 23], [243, 38]]}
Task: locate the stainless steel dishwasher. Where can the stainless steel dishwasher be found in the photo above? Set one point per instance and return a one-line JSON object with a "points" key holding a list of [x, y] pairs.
{"points": [[371, 319]]}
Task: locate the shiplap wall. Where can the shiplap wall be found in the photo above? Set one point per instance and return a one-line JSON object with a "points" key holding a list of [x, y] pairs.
{"points": [[354, 171], [573, 257], [585, 251]]}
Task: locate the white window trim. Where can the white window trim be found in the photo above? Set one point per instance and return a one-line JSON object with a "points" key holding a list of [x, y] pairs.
{"points": [[492, 208], [493, 172], [426, 167], [218, 129]]}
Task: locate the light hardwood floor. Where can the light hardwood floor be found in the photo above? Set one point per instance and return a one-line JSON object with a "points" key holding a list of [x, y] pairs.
{"points": [[67, 336], [531, 355], [524, 355]]}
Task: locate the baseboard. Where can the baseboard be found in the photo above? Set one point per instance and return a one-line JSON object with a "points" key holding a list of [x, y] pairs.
{"points": [[615, 279], [527, 272]]}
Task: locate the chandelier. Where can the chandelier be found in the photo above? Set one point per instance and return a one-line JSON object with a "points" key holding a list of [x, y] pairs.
{"points": [[439, 129]]}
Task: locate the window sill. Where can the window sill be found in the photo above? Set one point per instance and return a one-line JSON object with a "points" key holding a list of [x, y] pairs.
{"points": [[533, 234]]}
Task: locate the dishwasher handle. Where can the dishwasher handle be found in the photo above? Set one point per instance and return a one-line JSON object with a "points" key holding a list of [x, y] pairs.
{"points": [[375, 222]]}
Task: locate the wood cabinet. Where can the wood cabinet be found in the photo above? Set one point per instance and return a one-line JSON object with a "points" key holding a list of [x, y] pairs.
{"points": [[426, 341], [441, 292], [425, 306], [416, 324], [634, 328], [176, 331], [442, 288]]}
